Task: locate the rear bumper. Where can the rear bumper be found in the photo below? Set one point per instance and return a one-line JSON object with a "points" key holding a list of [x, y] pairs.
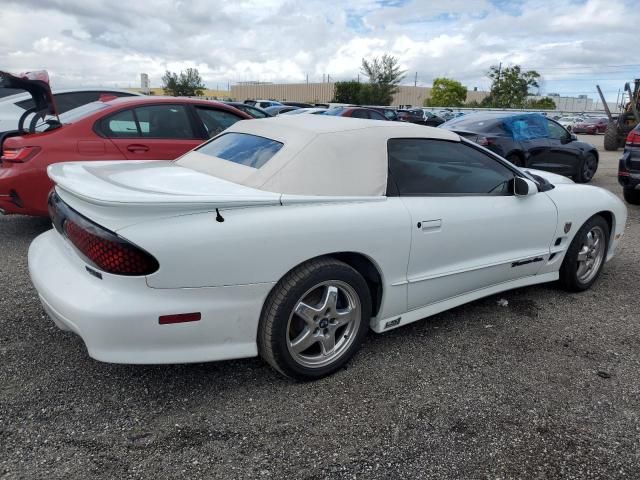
{"points": [[117, 317]]}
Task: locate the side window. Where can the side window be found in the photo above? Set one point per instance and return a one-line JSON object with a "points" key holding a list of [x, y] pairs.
{"points": [[215, 121], [556, 131], [440, 167], [164, 121], [376, 116], [360, 113], [121, 125]]}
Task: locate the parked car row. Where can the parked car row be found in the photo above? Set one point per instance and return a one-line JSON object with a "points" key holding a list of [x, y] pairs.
{"points": [[125, 128], [585, 124], [163, 128]]}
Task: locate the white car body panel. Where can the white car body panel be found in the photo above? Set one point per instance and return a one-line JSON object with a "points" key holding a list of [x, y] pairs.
{"points": [[222, 246]]}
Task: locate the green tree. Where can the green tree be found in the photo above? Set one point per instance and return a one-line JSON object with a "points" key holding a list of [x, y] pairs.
{"points": [[186, 84], [347, 92], [545, 103], [384, 77], [446, 93], [510, 86]]}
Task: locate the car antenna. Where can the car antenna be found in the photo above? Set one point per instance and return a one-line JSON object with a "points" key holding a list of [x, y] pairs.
{"points": [[219, 218]]}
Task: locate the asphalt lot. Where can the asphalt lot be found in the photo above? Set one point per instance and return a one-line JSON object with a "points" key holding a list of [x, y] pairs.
{"points": [[545, 387]]}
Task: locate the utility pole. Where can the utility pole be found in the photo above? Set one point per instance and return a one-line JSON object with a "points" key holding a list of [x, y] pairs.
{"points": [[328, 78], [323, 78], [415, 81], [307, 79], [358, 78], [498, 78]]}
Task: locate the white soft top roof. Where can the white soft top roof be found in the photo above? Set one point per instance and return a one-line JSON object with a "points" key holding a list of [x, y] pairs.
{"points": [[322, 154]]}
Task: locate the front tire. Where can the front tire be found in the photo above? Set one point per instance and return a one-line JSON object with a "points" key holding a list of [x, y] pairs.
{"points": [[632, 196], [586, 255], [587, 168], [315, 319]]}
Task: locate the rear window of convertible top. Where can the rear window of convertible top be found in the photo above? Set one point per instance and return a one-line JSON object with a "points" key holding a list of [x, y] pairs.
{"points": [[243, 148]]}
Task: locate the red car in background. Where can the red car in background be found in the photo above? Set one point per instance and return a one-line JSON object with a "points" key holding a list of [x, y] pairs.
{"points": [[591, 125], [129, 128]]}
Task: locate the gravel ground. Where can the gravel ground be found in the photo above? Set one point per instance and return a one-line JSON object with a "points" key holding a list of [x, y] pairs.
{"points": [[545, 387]]}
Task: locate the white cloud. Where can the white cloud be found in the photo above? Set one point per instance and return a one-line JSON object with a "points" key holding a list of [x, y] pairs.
{"points": [[88, 42]]}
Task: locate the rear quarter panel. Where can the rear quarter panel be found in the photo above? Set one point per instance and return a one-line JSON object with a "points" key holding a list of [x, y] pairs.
{"points": [[258, 245]]}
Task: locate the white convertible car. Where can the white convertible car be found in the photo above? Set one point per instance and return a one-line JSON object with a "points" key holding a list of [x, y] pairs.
{"points": [[290, 238]]}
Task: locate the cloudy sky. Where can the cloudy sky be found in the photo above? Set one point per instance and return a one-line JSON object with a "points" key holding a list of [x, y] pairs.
{"points": [[574, 44]]}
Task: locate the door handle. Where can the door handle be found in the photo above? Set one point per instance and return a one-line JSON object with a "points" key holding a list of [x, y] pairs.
{"points": [[136, 147], [430, 225]]}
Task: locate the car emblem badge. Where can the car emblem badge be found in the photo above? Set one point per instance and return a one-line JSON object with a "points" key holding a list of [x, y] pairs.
{"points": [[567, 227]]}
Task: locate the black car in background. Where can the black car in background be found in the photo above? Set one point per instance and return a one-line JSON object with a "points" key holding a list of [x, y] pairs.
{"points": [[530, 140], [419, 116], [432, 120], [629, 167], [255, 112]]}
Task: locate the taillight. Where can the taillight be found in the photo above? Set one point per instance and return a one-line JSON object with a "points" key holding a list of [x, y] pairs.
{"points": [[106, 250], [19, 155], [633, 139], [99, 247]]}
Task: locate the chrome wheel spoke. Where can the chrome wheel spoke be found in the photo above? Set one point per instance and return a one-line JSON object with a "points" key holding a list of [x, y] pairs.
{"points": [[303, 341], [590, 239], [328, 342], [582, 254], [308, 313], [343, 317], [329, 301]]}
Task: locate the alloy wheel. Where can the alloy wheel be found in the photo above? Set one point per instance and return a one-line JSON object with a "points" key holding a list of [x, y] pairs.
{"points": [[323, 324], [591, 254]]}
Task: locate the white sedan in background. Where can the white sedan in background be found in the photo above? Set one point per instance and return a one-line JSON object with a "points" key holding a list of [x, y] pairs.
{"points": [[570, 122], [292, 237]]}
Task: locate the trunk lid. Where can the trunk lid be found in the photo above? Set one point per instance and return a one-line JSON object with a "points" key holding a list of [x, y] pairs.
{"points": [[135, 191], [37, 84]]}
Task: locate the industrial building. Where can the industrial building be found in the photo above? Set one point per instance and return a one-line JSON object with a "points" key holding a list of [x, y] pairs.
{"points": [[407, 95]]}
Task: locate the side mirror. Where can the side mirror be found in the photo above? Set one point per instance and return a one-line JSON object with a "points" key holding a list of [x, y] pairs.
{"points": [[573, 137], [523, 187]]}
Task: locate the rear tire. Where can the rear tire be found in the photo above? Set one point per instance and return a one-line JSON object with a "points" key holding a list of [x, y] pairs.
{"points": [[611, 137], [631, 196], [315, 319], [587, 168], [586, 255]]}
